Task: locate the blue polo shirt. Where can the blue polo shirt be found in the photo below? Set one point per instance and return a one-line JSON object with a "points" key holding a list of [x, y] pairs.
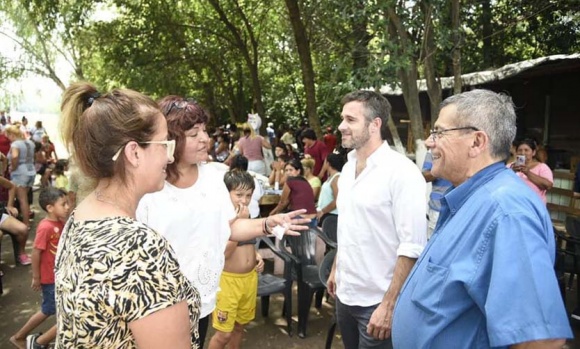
{"points": [[438, 186], [486, 278]]}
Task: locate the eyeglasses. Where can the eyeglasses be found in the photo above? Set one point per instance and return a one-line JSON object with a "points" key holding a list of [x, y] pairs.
{"points": [[183, 104], [169, 145], [435, 134]]}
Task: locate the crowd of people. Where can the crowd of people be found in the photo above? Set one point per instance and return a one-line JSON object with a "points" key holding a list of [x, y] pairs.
{"points": [[24, 152], [164, 242]]}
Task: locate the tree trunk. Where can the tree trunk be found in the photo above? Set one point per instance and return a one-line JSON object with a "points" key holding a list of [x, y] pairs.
{"points": [[456, 47], [251, 59], [393, 130], [257, 91], [487, 30], [360, 52], [407, 75], [433, 83], [303, 46], [395, 134]]}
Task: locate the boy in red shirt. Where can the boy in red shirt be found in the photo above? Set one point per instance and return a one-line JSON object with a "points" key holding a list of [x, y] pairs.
{"points": [[54, 201]]}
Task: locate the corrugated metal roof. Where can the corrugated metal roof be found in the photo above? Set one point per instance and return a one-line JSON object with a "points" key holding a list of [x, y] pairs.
{"points": [[483, 77]]}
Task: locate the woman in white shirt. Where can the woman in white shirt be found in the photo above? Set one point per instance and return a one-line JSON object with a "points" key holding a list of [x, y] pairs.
{"points": [[194, 211], [37, 132]]}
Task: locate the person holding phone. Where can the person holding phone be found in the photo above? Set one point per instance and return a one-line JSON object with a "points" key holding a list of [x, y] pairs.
{"points": [[535, 174]]}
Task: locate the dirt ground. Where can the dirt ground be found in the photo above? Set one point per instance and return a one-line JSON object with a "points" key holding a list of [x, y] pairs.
{"points": [[19, 302]]}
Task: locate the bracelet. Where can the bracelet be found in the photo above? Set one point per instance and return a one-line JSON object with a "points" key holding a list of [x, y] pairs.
{"points": [[266, 230]]}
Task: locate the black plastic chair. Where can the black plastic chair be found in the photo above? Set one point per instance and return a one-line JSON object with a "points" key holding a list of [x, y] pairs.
{"points": [[324, 273], [567, 261], [15, 245], [269, 284], [15, 249], [307, 273], [573, 230], [329, 228]]}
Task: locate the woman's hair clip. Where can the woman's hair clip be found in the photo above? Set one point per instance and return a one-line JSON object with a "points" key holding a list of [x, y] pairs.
{"points": [[92, 98]]}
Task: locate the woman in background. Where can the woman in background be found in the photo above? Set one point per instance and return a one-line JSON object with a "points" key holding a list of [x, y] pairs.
{"points": [[23, 171], [37, 132], [534, 173], [10, 224], [223, 147], [329, 191], [281, 158], [250, 146], [297, 193], [314, 181]]}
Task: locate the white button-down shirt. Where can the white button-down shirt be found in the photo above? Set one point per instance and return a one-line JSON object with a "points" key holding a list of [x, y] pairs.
{"points": [[195, 221], [382, 216]]}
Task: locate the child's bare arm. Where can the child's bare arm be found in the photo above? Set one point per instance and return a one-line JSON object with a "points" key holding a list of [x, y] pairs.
{"points": [[11, 195], [15, 152], [230, 248], [4, 162], [35, 269], [259, 263]]}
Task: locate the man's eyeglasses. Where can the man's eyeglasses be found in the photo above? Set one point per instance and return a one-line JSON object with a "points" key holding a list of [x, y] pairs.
{"points": [[181, 104], [435, 134], [169, 145]]}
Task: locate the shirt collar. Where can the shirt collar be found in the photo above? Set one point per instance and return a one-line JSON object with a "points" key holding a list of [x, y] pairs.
{"points": [[456, 196], [375, 157]]}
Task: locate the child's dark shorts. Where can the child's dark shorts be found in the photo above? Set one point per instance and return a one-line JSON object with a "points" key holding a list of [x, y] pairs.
{"points": [[48, 301]]}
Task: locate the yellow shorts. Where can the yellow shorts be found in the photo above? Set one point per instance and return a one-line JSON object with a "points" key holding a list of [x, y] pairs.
{"points": [[236, 300]]}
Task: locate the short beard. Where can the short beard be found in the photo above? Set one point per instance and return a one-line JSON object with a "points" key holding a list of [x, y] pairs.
{"points": [[359, 141]]}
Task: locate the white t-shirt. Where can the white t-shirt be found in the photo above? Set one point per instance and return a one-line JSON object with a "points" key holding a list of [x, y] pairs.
{"points": [[382, 216], [195, 221]]}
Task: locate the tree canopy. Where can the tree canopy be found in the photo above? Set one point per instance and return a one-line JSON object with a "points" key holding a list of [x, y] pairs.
{"points": [[242, 56]]}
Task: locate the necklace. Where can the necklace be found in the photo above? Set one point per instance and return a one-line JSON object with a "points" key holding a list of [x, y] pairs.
{"points": [[106, 199]]}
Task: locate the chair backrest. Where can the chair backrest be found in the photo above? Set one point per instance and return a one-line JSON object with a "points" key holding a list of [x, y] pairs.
{"points": [[303, 246], [326, 266], [573, 226], [330, 227], [573, 230]]}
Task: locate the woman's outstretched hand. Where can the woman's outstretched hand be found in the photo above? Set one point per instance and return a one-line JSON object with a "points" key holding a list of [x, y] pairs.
{"points": [[290, 222]]}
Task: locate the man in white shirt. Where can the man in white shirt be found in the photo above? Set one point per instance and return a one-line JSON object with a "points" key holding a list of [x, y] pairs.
{"points": [[381, 226]]}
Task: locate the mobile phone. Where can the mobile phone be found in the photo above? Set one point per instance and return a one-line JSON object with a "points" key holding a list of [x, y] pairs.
{"points": [[520, 160]]}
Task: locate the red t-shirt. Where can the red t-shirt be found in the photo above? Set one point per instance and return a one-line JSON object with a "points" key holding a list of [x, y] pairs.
{"points": [[330, 141], [319, 153], [4, 144], [47, 236]]}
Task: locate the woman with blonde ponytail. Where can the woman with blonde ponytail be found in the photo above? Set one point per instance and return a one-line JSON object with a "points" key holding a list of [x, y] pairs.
{"points": [[250, 145], [118, 282], [22, 173]]}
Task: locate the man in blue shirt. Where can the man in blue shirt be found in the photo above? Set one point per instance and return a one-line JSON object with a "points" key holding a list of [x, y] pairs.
{"points": [[486, 278], [438, 188]]}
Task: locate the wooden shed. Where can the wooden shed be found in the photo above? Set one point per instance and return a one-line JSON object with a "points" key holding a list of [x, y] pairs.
{"points": [[546, 92]]}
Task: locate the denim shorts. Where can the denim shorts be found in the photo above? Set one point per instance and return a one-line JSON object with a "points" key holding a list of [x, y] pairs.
{"points": [[48, 301], [22, 180], [3, 218]]}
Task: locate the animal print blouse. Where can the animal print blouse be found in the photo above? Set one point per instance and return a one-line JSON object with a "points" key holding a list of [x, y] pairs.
{"points": [[109, 273]]}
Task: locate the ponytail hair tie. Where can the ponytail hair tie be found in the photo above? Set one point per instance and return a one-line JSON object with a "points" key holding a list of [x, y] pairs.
{"points": [[92, 98]]}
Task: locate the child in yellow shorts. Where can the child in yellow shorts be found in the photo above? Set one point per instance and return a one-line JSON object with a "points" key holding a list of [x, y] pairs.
{"points": [[236, 300]]}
